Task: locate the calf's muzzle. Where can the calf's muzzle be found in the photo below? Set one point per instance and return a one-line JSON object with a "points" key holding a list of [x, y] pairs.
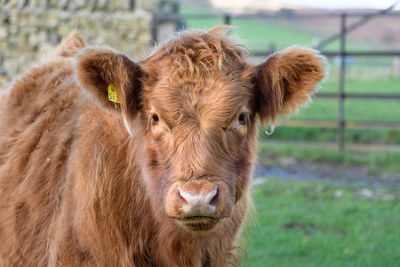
{"points": [[199, 204]]}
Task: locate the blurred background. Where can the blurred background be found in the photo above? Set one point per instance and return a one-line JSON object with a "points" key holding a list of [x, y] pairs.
{"points": [[327, 183]]}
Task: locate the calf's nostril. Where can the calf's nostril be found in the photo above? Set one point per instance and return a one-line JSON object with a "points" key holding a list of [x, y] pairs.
{"points": [[181, 197], [214, 200], [199, 204]]}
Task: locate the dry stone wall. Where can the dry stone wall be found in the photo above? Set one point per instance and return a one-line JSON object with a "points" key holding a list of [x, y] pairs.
{"points": [[31, 28]]}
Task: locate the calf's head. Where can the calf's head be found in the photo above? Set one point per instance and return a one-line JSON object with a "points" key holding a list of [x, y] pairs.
{"points": [[192, 107]]}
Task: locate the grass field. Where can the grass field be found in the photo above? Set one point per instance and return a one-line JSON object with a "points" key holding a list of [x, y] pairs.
{"points": [[316, 224]]}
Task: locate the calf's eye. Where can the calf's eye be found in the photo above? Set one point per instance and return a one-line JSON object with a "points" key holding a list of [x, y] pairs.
{"points": [[155, 118], [242, 118]]}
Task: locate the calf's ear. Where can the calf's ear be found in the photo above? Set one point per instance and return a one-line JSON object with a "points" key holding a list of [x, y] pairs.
{"points": [[97, 68], [286, 81]]}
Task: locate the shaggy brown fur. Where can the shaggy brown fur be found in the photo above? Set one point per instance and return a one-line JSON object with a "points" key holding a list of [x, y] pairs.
{"points": [[77, 190]]}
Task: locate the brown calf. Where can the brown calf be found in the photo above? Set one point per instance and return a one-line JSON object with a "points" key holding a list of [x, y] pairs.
{"points": [[159, 179]]}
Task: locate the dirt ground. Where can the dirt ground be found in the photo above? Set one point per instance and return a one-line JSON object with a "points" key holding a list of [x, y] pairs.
{"points": [[285, 168]]}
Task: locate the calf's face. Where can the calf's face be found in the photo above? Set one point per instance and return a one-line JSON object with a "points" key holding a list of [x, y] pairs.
{"points": [[198, 140], [193, 107]]}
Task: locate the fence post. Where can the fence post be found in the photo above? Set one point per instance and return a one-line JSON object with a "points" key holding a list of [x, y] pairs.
{"points": [[154, 31], [395, 66], [227, 19], [341, 120]]}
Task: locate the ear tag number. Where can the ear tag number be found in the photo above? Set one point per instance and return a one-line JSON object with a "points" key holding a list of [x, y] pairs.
{"points": [[113, 93]]}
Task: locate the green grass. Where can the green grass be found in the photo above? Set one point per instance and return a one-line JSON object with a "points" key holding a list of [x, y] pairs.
{"points": [[187, 10], [384, 86], [305, 224], [356, 109], [258, 36], [382, 162]]}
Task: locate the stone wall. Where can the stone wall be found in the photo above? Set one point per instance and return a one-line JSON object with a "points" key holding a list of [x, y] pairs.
{"points": [[31, 28]]}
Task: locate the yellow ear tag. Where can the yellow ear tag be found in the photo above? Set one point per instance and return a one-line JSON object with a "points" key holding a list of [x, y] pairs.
{"points": [[113, 93]]}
